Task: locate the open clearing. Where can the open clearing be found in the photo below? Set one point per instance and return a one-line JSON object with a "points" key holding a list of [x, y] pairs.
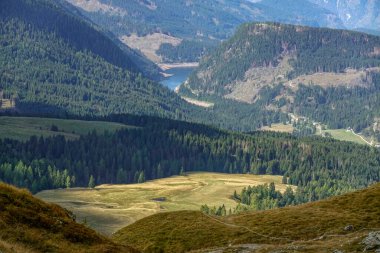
{"points": [[21, 128], [108, 208], [7, 103], [198, 102], [279, 128], [150, 43], [344, 135]]}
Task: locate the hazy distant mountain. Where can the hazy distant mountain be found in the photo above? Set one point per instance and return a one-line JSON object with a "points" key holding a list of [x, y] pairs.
{"points": [[355, 14], [197, 18], [193, 25]]}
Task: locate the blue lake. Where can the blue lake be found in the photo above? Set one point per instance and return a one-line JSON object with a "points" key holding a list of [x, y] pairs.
{"points": [[179, 75]]}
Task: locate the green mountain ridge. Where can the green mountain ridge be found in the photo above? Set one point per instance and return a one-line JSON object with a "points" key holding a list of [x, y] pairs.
{"points": [[48, 68], [266, 44], [197, 22], [54, 62], [307, 71], [74, 29]]}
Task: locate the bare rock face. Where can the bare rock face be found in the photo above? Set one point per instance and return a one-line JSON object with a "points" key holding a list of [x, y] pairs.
{"points": [[372, 241]]}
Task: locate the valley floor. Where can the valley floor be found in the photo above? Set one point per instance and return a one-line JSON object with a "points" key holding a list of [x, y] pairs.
{"points": [[108, 208]]}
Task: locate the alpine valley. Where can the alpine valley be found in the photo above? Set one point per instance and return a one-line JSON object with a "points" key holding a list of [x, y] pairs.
{"points": [[270, 145]]}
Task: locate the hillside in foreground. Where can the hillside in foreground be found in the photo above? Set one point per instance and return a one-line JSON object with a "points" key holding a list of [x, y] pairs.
{"points": [[30, 225], [314, 227]]}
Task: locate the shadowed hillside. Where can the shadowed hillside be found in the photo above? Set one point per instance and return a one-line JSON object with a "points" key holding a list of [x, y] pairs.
{"points": [[28, 224], [52, 62]]}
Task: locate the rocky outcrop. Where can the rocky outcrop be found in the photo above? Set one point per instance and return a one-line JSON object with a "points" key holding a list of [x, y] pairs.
{"points": [[372, 241]]}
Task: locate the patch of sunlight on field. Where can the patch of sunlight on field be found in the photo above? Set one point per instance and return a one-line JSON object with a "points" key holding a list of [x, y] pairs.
{"points": [[279, 128], [108, 208], [344, 135]]}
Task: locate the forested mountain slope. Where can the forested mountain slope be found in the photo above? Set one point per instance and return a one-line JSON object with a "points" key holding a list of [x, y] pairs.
{"points": [[186, 19], [28, 224], [306, 50], [52, 61], [329, 75], [195, 25], [52, 17], [55, 66]]}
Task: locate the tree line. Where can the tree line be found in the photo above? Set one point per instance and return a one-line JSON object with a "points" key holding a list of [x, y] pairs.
{"points": [[161, 148], [260, 197]]}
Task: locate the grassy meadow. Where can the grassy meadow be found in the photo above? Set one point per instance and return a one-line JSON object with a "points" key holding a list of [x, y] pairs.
{"points": [[282, 128], [22, 128], [344, 135], [108, 208]]}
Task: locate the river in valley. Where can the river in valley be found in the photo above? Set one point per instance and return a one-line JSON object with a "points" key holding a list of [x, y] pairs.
{"points": [[178, 76]]}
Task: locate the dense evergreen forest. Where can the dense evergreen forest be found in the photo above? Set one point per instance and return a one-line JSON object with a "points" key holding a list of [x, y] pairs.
{"points": [[47, 75], [264, 44], [260, 197], [63, 64], [186, 51], [353, 107], [160, 148], [51, 17], [310, 50], [49, 68]]}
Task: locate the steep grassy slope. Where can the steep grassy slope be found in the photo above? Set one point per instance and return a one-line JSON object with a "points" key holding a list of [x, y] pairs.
{"points": [[108, 208], [60, 63], [28, 224], [314, 227]]}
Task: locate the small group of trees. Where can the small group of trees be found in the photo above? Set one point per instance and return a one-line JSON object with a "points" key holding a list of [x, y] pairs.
{"points": [[260, 197]]}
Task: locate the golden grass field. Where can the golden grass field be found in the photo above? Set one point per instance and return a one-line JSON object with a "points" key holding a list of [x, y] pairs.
{"points": [[150, 43], [344, 135], [108, 208], [282, 128]]}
